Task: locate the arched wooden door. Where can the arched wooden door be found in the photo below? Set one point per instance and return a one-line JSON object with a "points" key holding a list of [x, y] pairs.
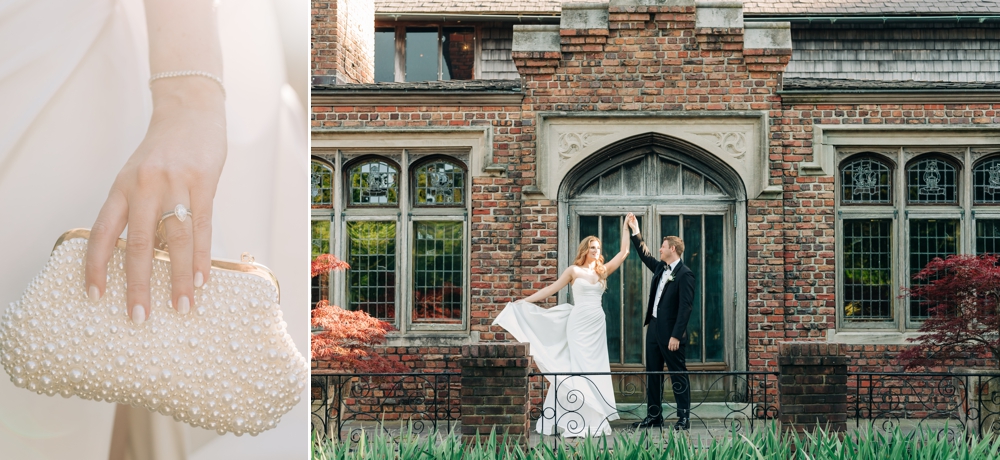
{"points": [[672, 193]]}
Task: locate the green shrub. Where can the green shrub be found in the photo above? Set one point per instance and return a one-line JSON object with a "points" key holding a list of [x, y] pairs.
{"points": [[765, 444]]}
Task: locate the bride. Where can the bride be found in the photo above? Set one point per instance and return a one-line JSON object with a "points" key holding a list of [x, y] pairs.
{"points": [[571, 339]]}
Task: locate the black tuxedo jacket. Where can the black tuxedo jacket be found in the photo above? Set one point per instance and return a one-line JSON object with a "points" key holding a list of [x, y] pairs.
{"points": [[674, 309]]}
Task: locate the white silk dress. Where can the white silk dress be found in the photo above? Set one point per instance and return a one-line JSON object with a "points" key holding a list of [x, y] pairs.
{"points": [[572, 339]]}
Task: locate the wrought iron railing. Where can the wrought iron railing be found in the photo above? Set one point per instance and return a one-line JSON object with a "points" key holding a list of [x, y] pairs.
{"points": [[945, 402], [345, 405], [721, 401]]}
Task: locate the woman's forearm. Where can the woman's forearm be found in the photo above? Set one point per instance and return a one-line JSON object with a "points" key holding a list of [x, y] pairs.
{"points": [[184, 36]]}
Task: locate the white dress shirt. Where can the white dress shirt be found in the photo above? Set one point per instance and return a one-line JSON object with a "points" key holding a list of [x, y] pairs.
{"points": [[663, 282]]}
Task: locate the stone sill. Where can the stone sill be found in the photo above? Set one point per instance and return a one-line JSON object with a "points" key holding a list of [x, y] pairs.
{"points": [[870, 337], [429, 339]]}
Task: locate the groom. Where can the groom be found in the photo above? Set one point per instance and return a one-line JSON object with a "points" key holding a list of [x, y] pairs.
{"points": [[667, 315]]}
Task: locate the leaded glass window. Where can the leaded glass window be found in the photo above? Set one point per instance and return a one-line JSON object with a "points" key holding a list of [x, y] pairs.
{"points": [[866, 181], [322, 185], [438, 270], [320, 245], [986, 182], [867, 270], [374, 182], [371, 280], [987, 236], [931, 181], [439, 182], [929, 238]]}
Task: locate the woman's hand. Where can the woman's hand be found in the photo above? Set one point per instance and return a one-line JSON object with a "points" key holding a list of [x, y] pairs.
{"points": [[178, 162]]}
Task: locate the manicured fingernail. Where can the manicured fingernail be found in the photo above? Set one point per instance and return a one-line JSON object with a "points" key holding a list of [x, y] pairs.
{"points": [[138, 314], [183, 305], [199, 279], [93, 293]]}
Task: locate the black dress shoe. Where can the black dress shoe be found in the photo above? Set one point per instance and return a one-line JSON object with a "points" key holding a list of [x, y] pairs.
{"points": [[683, 424], [649, 421]]}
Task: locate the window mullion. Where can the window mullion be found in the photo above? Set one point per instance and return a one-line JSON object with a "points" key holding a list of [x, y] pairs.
{"points": [[400, 64], [901, 229]]}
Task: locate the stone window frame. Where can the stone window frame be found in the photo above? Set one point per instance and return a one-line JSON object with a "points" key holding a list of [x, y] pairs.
{"points": [[408, 159], [965, 147], [399, 58]]}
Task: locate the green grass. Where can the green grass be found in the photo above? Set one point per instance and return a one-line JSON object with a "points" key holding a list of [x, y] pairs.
{"points": [[765, 444]]}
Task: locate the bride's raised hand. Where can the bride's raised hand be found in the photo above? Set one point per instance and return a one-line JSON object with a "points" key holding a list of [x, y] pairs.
{"points": [[178, 163]]}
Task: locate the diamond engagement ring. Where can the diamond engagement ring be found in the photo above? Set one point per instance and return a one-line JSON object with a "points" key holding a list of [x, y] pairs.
{"points": [[180, 212]]}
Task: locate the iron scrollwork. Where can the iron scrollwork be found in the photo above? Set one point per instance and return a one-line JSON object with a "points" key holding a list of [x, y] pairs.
{"points": [[346, 405], [745, 400]]}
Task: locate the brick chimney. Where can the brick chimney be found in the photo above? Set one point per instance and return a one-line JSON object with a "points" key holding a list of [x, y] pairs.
{"points": [[343, 42]]}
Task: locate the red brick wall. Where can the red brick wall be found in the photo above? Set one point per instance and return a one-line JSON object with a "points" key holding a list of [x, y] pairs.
{"points": [[343, 41], [495, 218], [810, 306], [654, 59]]}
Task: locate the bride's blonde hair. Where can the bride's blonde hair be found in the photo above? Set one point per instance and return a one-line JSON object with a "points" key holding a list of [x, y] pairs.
{"points": [[581, 259]]}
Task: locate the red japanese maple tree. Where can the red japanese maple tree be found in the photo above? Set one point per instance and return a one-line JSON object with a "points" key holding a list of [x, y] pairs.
{"points": [[962, 294], [347, 339]]}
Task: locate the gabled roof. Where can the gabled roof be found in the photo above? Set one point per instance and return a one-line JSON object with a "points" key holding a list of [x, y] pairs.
{"points": [[751, 8]]}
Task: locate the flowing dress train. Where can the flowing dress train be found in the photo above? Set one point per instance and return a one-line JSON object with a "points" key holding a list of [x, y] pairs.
{"points": [[571, 339]]}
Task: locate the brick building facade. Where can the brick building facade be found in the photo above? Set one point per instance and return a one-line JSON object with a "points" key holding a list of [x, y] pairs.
{"points": [[812, 157]]}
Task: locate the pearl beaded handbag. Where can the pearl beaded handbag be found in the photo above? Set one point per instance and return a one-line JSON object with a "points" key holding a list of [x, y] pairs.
{"points": [[228, 365]]}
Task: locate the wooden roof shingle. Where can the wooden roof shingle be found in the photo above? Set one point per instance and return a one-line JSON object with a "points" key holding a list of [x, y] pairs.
{"points": [[751, 8]]}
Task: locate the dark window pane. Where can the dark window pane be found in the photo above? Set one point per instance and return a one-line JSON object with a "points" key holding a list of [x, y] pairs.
{"points": [[459, 53], [931, 181], [385, 55], [322, 185], [929, 238], [866, 181], [692, 259], [867, 270], [437, 272], [714, 301], [611, 301], [986, 177], [320, 245], [374, 183], [319, 284], [421, 54], [669, 226], [371, 281], [634, 307], [987, 236], [440, 183]]}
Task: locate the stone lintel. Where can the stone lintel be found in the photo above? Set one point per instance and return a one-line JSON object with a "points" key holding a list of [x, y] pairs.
{"points": [[544, 37], [767, 35], [716, 14], [584, 16], [659, 3]]}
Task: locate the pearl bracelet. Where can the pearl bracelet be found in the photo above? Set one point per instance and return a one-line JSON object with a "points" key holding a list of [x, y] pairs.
{"points": [[187, 73]]}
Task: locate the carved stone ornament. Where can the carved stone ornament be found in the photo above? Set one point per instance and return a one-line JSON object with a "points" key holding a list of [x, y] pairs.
{"points": [[571, 143], [733, 143]]}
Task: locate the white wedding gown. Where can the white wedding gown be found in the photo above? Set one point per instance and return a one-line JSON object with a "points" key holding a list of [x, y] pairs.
{"points": [[74, 104], [573, 339]]}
